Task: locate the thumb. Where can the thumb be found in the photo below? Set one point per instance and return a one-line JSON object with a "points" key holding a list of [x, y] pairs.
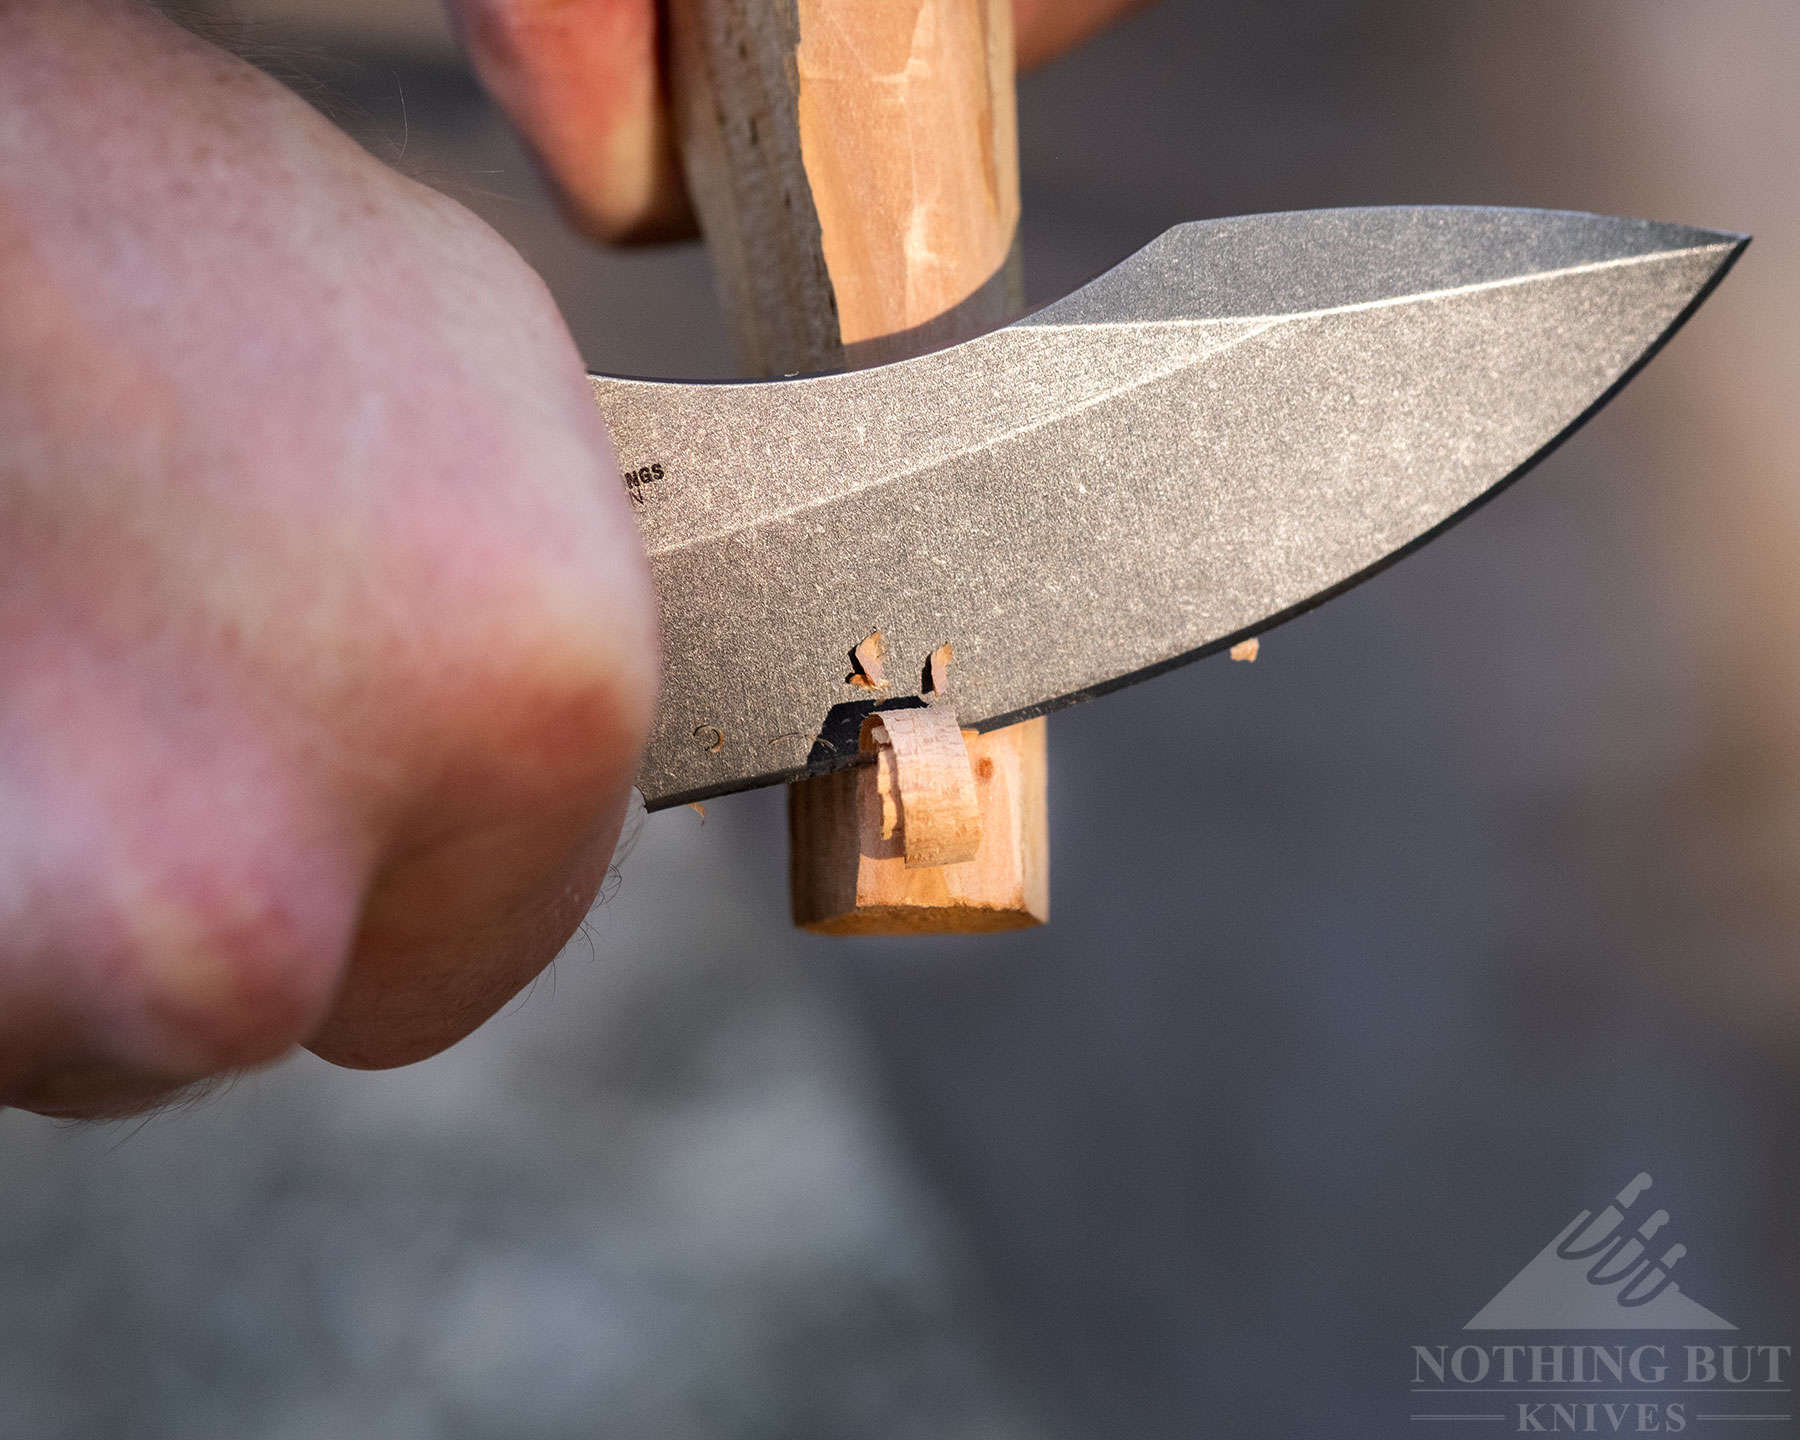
{"points": [[584, 83]]}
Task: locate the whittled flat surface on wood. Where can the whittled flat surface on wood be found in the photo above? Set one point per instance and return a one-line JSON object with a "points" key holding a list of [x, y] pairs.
{"points": [[909, 132], [854, 164]]}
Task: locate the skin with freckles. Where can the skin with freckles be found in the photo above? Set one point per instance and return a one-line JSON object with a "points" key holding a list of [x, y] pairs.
{"points": [[327, 644]]}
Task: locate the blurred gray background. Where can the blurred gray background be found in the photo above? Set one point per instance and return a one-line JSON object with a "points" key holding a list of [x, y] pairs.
{"points": [[1371, 963]]}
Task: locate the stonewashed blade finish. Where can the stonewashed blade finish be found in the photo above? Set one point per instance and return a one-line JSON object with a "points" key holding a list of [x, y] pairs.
{"points": [[1241, 420]]}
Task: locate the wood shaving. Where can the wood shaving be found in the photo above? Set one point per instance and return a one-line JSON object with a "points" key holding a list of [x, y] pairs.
{"points": [[926, 783]]}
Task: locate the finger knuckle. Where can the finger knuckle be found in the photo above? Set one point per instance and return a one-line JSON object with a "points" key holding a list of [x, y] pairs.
{"points": [[226, 973], [576, 702]]}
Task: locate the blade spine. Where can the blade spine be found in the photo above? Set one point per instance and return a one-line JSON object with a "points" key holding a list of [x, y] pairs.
{"points": [[1411, 297], [1028, 319]]}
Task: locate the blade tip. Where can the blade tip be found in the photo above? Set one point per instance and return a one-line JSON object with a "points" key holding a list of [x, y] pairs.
{"points": [[1695, 237], [1721, 247]]}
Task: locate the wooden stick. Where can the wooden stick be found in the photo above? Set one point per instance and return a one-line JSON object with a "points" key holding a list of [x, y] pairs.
{"points": [[854, 164]]}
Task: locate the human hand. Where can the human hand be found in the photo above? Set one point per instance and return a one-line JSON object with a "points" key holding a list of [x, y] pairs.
{"points": [[326, 641], [581, 79]]}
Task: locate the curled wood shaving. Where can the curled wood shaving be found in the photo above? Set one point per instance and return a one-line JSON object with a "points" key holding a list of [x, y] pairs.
{"points": [[926, 784]]}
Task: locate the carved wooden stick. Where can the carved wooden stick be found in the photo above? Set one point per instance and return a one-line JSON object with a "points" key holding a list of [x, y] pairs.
{"points": [[855, 167]]}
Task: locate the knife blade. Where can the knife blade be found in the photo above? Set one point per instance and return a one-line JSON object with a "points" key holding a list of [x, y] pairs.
{"points": [[1238, 422]]}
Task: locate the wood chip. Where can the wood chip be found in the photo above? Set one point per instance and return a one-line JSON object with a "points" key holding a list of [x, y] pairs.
{"points": [[937, 672], [926, 784], [1246, 650], [868, 657]]}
